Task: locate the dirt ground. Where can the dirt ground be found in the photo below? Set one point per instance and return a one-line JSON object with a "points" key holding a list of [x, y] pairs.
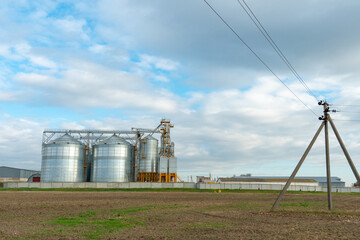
{"points": [[176, 215]]}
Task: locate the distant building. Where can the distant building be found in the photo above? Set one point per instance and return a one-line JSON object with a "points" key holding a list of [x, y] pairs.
{"points": [[268, 180], [335, 181], [9, 174], [202, 179], [307, 181]]}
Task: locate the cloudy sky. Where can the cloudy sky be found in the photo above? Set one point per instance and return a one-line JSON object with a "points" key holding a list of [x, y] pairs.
{"points": [[109, 64]]}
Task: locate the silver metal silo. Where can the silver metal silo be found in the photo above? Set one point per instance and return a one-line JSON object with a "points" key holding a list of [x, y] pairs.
{"points": [[62, 160], [112, 161], [148, 155]]}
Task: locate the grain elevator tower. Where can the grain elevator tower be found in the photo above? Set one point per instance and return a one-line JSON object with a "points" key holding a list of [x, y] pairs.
{"points": [[167, 162]]}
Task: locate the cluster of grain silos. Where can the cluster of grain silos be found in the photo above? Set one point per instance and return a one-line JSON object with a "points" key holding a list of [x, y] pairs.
{"points": [[71, 157]]}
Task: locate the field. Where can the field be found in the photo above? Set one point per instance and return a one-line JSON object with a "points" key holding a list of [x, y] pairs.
{"points": [[181, 214]]}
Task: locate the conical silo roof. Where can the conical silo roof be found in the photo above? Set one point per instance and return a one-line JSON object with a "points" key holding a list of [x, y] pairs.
{"points": [[66, 139], [114, 140]]}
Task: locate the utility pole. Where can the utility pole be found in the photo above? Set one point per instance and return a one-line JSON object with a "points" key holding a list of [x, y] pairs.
{"points": [[327, 153], [326, 118]]}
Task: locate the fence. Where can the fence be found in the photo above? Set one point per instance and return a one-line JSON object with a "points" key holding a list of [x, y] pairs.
{"points": [[253, 186], [233, 186]]}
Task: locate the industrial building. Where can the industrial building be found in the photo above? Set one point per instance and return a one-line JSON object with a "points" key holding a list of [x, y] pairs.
{"points": [[274, 181], [304, 181], [202, 179], [10, 174], [109, 156]]}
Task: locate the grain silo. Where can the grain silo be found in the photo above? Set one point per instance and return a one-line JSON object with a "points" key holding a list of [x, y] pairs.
{"points": [[112, 161], [62, 160], [148, 160]]}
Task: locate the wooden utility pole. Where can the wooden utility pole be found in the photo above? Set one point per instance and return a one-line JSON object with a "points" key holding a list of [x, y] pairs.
{"points": [[326, 118]]}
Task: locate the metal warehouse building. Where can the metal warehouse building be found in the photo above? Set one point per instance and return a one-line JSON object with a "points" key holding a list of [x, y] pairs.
{"points": [[309, 181], [9, 174]]}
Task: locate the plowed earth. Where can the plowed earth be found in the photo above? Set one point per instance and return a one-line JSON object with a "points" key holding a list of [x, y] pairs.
{"points": [[176, 215]]}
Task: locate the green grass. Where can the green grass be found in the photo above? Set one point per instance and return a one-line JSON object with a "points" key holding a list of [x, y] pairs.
{"points": [[294, 204], [303, 207], [316, 208], [97, 223], [88, 214]]}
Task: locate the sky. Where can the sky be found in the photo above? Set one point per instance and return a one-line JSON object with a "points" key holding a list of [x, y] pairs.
{"points": [[106, 64]]}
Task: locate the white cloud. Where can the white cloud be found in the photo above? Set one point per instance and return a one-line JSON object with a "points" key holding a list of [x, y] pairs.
{"points": [[72, 125], [160, 78], [159, 63], [20, 143], [4, 50], [71, 27], [32, 78], [22, 51], [98, 48], [91, 85], [7, 96]]}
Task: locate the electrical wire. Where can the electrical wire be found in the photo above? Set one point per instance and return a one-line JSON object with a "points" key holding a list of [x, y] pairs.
{"points": [[355, 120], [257, 56], [346, 111], [344, 105], [267, 36]]}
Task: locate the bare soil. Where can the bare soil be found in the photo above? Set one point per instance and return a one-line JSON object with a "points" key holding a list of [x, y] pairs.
{"points": [[176, 215]]}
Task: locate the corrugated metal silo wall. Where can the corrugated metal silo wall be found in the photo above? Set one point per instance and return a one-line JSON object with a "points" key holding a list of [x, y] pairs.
{"points": [[112, 163], [62, 163], [149, 156]]}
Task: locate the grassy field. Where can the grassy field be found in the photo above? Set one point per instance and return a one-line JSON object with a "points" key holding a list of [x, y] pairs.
{"points": [[175, 214]]}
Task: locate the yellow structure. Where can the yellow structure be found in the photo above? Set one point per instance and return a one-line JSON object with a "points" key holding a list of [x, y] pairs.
{"points": [[166, 165], [148, 176]]}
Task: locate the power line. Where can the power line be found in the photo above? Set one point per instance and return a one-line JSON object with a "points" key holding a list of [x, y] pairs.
{"points": [[355, 120], [257, 56], [344, 105], [267, 36], [346, 111], [275, 47]]}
